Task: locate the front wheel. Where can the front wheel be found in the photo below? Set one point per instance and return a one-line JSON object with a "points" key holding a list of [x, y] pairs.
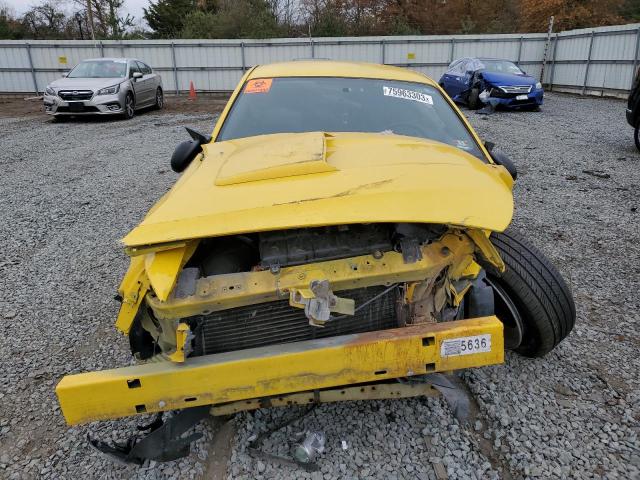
{"points": [[159, 99], [531, 297], [636, 136], [129, 107], [474, 98]]}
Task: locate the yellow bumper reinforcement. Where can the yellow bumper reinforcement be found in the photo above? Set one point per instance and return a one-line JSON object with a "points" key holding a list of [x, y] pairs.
{"points": [[280, 369]]}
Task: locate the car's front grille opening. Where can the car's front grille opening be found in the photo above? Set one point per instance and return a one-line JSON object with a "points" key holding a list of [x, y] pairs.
{"points": [[278, 322], [75, 94], [78, 109], [516, 89]]}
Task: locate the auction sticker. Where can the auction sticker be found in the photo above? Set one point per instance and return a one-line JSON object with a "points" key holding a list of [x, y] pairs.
{"points": [[407, 94], [465, 345], [258, 85]]}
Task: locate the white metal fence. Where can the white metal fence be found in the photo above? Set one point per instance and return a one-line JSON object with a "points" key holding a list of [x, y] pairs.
{"points": [[590, 61]]}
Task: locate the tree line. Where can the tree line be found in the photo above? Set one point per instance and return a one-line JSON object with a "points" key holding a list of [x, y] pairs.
{"points": [[295, 18]]}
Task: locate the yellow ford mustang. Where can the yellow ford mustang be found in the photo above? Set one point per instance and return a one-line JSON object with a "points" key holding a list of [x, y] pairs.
{"points": [[336, 237]]}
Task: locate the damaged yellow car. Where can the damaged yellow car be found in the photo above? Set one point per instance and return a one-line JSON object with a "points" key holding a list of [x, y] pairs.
{"points": [[340, 235]]}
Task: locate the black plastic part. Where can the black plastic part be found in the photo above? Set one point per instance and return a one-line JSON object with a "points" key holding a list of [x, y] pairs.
{"points": [[197, 136], [141, 342], [501, 159], [163, 444], [183, 154], [187, 150], [479, 300]]}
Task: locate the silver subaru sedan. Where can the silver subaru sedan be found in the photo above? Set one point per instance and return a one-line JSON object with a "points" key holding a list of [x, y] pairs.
{"points": [[105, 86]]}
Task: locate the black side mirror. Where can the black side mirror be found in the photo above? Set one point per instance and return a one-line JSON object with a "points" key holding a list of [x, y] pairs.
{"points": [[186, 151], [501, 159]]}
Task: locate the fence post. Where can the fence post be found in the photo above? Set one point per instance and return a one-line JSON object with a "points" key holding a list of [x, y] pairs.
{"points": [[453, 46], [382, 48], [635, 58], [33, 70], [553, 62], [242, 58], [122, 45], [520, 50], [586, 70], [101, 49], [175, 67], [313, 52]]}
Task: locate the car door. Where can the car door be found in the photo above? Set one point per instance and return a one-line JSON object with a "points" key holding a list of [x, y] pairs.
{"points": [[140, 87], [155, 79], [448, 77], [457, 79], [149, 83]]}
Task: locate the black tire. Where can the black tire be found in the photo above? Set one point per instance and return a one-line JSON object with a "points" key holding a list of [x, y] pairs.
{"points": [[474, 98], [540, 296], [159, 99], [129, 107], [636, 136]]}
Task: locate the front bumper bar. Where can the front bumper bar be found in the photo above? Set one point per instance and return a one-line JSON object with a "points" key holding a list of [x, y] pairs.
{"points": [[275, 370]]}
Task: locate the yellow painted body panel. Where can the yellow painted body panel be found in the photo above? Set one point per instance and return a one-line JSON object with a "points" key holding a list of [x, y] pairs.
{"points": [[377, 178], [323, 68], [163, 267], [266, 371], [132, 290], [303, 154]]}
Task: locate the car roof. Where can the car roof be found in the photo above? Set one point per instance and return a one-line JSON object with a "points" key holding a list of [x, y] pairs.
{"points": [[120, 59], [330, 68]]}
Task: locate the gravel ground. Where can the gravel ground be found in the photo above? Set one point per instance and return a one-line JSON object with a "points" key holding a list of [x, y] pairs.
{"points": [[70, 191]]}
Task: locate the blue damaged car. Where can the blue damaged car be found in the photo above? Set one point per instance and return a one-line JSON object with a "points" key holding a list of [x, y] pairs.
{"points": [[491, 82]]}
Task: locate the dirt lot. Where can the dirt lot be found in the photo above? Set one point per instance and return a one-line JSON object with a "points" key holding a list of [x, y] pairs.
{"points": [[70, 191], [12, 106]]}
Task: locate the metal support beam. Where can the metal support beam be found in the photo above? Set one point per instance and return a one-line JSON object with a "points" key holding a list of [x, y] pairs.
{"points": [[33, 70], [586, 70], [520, 50], [243, 58], [278, 369], [313, 50], [382, 51], [175, 67], [553, 62], [101, 49], [452, 48], [379, 391]]}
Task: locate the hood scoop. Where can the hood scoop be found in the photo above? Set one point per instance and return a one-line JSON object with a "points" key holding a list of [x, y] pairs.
{"points": [[269, 157]]}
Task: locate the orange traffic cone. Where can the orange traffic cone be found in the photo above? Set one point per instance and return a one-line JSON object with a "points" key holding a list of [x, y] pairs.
{"points": [[192, 91]]}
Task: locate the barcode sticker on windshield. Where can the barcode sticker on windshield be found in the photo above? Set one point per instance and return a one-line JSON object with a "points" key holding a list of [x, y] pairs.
{"points": [[407, 94]]}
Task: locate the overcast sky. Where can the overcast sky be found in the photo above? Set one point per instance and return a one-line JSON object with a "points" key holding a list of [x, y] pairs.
{"points": [[133, 7]]}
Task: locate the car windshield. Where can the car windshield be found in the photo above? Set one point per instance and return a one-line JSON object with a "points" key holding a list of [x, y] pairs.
{"points": [[99, 69], [500, 66], [311, 104]]}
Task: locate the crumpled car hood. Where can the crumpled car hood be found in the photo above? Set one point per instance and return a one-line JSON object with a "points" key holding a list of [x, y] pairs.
{"points": [[507, 79], [282, 181]]}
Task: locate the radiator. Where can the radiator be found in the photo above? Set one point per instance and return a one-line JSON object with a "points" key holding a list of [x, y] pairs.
{"points": [[277, 322]]}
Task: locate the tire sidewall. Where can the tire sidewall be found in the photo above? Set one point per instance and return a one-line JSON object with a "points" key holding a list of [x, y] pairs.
{"points": [[474, 98], [129, 113], [159, 99]]}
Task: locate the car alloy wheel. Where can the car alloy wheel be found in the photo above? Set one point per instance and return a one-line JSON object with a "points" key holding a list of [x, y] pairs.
{"points": [[159, 99], [129, 107]]}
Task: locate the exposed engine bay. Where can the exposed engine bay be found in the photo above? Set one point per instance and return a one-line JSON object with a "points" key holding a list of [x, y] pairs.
{"points": [[219, 314]]}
